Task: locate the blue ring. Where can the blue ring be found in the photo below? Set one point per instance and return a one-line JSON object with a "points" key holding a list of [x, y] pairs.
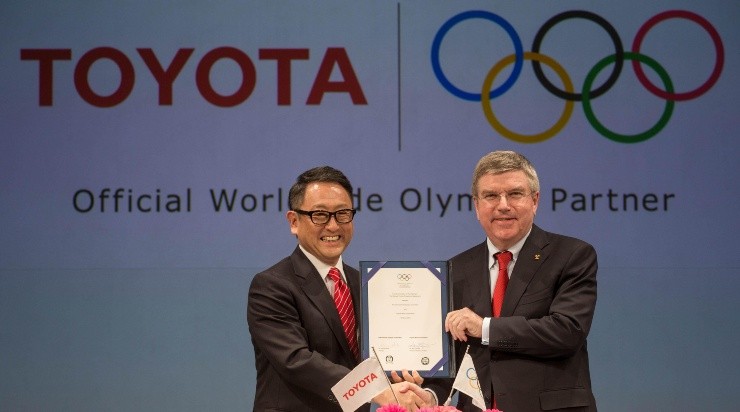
{"points": [[473, 14]]}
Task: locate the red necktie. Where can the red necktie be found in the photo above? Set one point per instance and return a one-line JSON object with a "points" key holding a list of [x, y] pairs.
{"points": [[499, 291], [343, 301]]}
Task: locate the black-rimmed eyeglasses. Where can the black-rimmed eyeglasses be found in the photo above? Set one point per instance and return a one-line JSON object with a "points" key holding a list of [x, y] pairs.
{"points": [[322, 217]]}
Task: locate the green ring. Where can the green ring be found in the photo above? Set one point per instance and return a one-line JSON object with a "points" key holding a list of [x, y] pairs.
{"points": [[621, 138]]}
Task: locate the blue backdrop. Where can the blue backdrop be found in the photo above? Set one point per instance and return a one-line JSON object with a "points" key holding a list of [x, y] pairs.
{"points": [[147, 148]]}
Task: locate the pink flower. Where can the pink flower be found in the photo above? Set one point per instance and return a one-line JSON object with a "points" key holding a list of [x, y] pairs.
{"points": [[392, 407], [399, 408]]}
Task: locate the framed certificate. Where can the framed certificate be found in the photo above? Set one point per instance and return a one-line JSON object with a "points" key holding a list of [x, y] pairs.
{"points": [[404, 304]]}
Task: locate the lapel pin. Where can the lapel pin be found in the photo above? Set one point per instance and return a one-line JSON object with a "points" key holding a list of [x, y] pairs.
{"points": [[537, 257]]}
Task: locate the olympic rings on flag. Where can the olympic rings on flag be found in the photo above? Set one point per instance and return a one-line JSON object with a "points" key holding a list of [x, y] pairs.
{"points": [[587, 94], [472, 380]]}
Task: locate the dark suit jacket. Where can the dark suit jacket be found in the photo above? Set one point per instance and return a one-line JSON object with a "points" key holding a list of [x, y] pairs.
{"points": [[300, 348], [536, 359]]}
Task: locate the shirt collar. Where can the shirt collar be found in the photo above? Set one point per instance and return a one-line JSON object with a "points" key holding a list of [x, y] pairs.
{"points": [[322, 267], [492, 250]]}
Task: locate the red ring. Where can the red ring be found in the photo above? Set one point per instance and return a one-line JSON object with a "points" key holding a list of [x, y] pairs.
{"points": [[718, 64]]}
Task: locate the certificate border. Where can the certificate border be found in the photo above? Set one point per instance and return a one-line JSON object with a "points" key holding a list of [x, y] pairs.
{"points": [[444, 367]]}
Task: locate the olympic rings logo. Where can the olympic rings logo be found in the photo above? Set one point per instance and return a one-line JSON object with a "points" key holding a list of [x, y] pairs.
{"points": [[588, 92], [472, 378], [404, 276]]}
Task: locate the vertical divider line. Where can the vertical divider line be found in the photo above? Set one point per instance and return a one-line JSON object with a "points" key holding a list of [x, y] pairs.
{"points": [[398, 68]]}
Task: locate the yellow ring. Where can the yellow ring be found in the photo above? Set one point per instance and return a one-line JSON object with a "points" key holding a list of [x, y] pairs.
{"points": [[523, 138]]}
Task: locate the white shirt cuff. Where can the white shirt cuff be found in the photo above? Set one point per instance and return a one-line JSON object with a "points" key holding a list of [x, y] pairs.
{"points": [[486, 331], [434, 395]]}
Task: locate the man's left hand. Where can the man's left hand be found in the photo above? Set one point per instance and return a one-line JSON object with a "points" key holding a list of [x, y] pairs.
{"points": [[412, 377], [462, 323]]}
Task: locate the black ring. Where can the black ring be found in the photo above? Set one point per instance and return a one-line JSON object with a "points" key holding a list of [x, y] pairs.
{"points": [[618, 52]]}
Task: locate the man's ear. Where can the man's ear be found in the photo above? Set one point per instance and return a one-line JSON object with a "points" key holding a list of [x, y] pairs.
{"points": [[292, 218]]}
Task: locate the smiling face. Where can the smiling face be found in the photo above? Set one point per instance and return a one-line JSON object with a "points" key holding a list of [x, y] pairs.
{"points": [[504, 220], [326, 242]]}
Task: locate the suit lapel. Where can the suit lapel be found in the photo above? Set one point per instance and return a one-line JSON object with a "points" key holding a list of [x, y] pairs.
{"points": [[528, 263], [313, 285], [478, 281]]}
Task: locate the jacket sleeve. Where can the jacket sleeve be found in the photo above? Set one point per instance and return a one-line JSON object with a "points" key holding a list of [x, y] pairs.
{"points": [[553, 318], [279, 318]]}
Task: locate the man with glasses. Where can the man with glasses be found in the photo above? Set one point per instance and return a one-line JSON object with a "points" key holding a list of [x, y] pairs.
{"points": [[524, 299], [302, 311]]}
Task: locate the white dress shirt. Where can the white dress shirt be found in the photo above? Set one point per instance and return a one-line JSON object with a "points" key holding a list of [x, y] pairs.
{"points": [[493, 273]]}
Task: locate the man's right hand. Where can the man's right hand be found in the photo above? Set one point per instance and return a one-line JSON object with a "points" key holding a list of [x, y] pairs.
{"points": [[409, 395]]}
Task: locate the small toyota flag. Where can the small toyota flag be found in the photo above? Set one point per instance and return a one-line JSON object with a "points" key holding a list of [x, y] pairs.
{"points": [[360, 385]]}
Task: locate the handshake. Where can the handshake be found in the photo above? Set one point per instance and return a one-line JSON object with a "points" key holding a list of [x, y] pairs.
{"points": [[405, 394]]}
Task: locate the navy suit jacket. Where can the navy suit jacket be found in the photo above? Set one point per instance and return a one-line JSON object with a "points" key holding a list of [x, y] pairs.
{"points": [[537, 358], [300, 348]]}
